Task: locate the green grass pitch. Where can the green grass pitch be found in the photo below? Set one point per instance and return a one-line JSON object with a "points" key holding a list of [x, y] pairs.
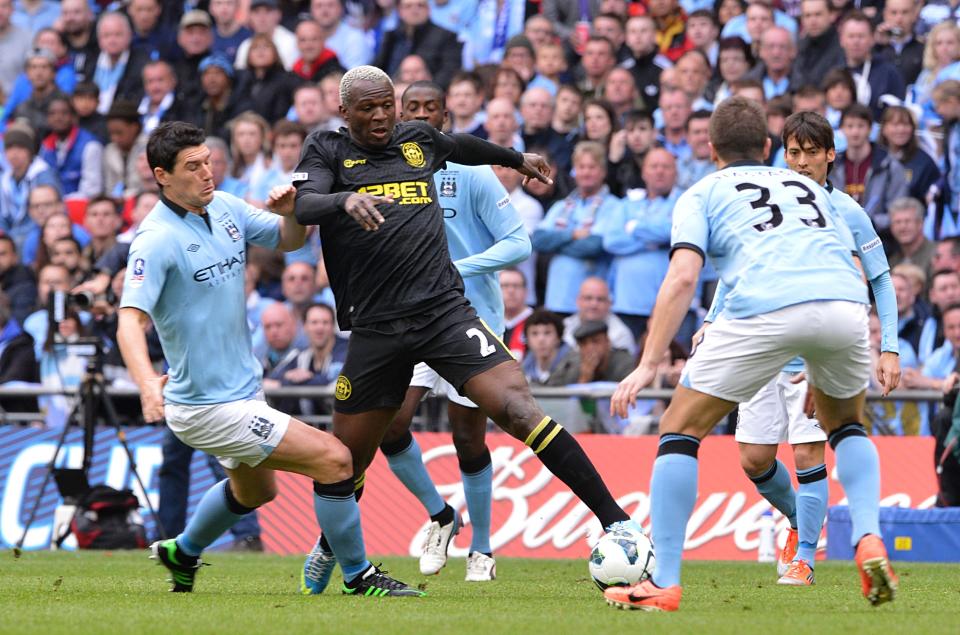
{"points": [[123, 592]]}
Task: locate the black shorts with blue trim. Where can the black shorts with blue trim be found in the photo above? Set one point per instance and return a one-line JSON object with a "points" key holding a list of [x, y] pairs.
{"points": [[449, 337]]}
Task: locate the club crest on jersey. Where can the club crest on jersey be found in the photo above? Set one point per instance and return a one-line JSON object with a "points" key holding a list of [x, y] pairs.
{"points": [[413, 154], [448, 186], [343, 389], [232, 229]]}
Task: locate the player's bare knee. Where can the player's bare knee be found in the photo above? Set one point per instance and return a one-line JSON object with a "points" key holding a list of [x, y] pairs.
{"points": [[807, 455], [521, 412], [756, 463], [339, 461], [468, 443]]}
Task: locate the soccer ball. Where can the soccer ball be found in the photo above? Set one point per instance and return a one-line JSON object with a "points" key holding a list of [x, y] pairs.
{"points": [[621, 558]]}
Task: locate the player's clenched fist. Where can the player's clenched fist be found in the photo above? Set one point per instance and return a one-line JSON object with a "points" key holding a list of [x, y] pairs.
{"points": [[281, 199], [151, 398], [363, 209], [535, 167]]}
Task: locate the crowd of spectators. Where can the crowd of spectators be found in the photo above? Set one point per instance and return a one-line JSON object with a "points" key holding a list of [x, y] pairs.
{"points": [[616, 94]]}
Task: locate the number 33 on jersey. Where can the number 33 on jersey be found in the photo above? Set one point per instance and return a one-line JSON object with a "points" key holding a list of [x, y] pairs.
{"points": [[773, 236]]}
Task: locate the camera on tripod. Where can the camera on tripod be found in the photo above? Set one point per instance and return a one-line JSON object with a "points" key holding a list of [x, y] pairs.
{"points": [[60, 302]]}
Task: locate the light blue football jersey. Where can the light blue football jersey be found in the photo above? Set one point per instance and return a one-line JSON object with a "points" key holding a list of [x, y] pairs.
{"points": [[773, 235], [186, 272], [477, 213]]}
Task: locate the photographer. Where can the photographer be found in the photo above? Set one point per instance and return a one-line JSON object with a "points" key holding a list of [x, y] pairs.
{"points": [[895, 40]]}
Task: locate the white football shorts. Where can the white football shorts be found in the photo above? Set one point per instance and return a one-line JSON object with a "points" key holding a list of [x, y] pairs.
{"points": [[737, 357], [775, 414], [244, 431], [426, 377]]}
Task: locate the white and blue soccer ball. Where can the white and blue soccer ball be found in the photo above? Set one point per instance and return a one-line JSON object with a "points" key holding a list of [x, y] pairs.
{"points": [[622, 558]]}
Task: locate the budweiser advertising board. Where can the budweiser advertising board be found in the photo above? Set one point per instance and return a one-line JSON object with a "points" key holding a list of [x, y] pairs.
{"points": [[535, 515]]}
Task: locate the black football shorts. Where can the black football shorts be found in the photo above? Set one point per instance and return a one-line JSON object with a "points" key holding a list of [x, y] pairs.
{"points": [[380, 359]]}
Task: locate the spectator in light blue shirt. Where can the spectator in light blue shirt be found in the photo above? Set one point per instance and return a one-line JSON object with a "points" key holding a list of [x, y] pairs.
{"points": [[939, 365], [572, 229], [349, 43], [33, 15], [638, 236], [696, 166]]}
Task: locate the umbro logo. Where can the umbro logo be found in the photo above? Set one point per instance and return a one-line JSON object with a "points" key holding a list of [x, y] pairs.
{"points": [[193, 247]]}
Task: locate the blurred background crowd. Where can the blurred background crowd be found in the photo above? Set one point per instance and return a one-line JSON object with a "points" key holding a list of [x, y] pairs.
{"points": [[616, 94]]}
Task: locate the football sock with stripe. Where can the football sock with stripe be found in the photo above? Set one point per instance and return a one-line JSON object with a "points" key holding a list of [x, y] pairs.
{"points": [[811, 510], [775, 486], [858, 468], [673, 492], [217, 512], [563, 456], [406, 462], [477, 476], [338, 514]]}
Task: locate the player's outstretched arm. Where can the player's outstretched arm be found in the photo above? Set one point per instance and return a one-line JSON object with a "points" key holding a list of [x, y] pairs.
{"points": [[470, 150], [282, 201], [133, 348], [673, 302]]}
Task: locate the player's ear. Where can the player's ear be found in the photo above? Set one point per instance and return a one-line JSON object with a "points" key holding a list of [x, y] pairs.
{"points": [[714, 157], [766, 148], [831, 155], [160, 175]]}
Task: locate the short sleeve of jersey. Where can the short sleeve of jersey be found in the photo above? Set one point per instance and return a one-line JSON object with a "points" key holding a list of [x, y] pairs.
{"points": [[691, 229], [261, 228], [492, 203], [313, 173], [868, 244], [147, 265]]}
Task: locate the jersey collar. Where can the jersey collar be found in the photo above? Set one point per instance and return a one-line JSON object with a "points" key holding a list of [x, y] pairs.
{"points": [[181, 211], [828, 186], [742, 163]]}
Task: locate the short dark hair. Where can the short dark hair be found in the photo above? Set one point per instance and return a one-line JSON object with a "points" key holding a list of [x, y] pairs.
{"points": [[86, 89], [780, 105], [613, 16], [808, 91], [738, 129], [637, 115], [809, 129], [321, 305], [954, 244], [168, 139], [745, 82], [839, 76], [600, 38], [953, 307], [736, 43], [426, 85], [857, 111], [706, 14], [96, 200], [76, 243], [7, 239], [696, 115], [855, 16], [943, 272], [285, 128], [470, 77], [544, 316]]}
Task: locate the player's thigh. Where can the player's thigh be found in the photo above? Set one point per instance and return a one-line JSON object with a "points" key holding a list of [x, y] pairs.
{"points": [[693, 413], [801, 429], [311, 452], [362, 433], [376, 373], [737, 357], [245, 431], [404, 417], [763, 420]]}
